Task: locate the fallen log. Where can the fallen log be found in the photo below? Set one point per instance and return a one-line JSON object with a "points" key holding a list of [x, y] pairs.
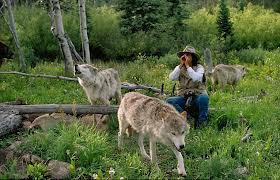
{"points": [[66, 108], [11, 116]]}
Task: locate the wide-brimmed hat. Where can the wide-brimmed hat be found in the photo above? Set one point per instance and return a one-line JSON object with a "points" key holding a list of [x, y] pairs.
{"points": [[188, 49]]}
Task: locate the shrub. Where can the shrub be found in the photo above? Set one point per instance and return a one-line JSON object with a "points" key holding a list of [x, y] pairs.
{"points": [[201, 29], [253, 56], [34, 33], [36, 171], [248, 33], [105, 37]]}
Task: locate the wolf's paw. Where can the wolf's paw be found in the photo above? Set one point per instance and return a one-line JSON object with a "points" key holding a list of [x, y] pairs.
{"points": [[120, 148], [147, 157], [182, 172]]}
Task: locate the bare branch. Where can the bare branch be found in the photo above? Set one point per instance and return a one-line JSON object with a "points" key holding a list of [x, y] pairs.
{"points": [[40, 75], [125, 85]]}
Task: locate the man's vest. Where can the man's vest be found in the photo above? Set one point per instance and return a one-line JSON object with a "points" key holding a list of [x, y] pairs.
{"points": [[187, 87]]}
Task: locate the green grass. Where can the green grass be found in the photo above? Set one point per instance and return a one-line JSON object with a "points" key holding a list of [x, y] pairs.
{"points": [[213, 152]]}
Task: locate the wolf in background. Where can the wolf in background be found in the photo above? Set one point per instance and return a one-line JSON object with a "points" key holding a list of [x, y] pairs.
{"points": [[157, 119], [227, 74]]}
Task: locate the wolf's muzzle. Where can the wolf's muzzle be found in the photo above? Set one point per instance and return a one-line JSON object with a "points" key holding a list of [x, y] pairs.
{"points": [[182, 147], [77, 70]]}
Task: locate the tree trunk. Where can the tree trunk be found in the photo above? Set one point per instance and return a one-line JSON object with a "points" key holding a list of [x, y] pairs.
{"points": [[12, 27], [83, 31], [10, 120], [66, 108], [208, 60], [75, 54], [58, 31]]}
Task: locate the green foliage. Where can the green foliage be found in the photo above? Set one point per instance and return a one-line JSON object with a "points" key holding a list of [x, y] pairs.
{"points": [[106, 40], [241, 5], [40, 90], [153, 27], [268, 4], [253, 56], [35, 35], [172, 30], [83, 145], [36, 171], [201, 29], [11, 171], [261, 34], [143, 15], [223, 21]]}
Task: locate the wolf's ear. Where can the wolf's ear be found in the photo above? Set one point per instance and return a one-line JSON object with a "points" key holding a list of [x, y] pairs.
{"points": [[93, 70]]}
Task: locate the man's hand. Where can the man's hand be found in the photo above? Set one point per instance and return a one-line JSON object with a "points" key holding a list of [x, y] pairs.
{"points": [[187, 62], [187, 59], [182, 61]]}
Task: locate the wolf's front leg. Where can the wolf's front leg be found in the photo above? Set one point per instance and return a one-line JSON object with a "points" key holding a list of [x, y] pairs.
{"points": [[123, 124], [153, 152], [142, 148], [180, 165]]}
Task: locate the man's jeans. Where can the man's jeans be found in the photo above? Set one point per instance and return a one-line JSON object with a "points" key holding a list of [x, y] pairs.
{"points": [[199, 106]]}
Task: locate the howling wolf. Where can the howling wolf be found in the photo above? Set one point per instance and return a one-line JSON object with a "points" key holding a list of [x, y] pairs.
{"points": [[99, 85], [157, 119]]}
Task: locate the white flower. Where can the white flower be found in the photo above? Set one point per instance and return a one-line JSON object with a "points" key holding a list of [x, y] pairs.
{"points": [[121, 178], [94, 176], [111, 171]]}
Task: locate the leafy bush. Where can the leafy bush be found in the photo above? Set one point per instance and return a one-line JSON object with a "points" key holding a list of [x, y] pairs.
{"points": [[34, 33], [260, 34], [142, 15], [36, 171], [201, 29], [253, 56], [107, 41], [105, 37], [170, 60]]}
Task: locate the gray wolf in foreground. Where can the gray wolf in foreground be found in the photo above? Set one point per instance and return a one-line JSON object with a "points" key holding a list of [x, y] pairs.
{"points": [[227, 74], [157, 119], [99, 85]]}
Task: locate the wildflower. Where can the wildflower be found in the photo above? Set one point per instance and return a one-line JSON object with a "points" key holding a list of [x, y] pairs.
{"points": [[94, 176], [111, 171], [121, 178]]}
